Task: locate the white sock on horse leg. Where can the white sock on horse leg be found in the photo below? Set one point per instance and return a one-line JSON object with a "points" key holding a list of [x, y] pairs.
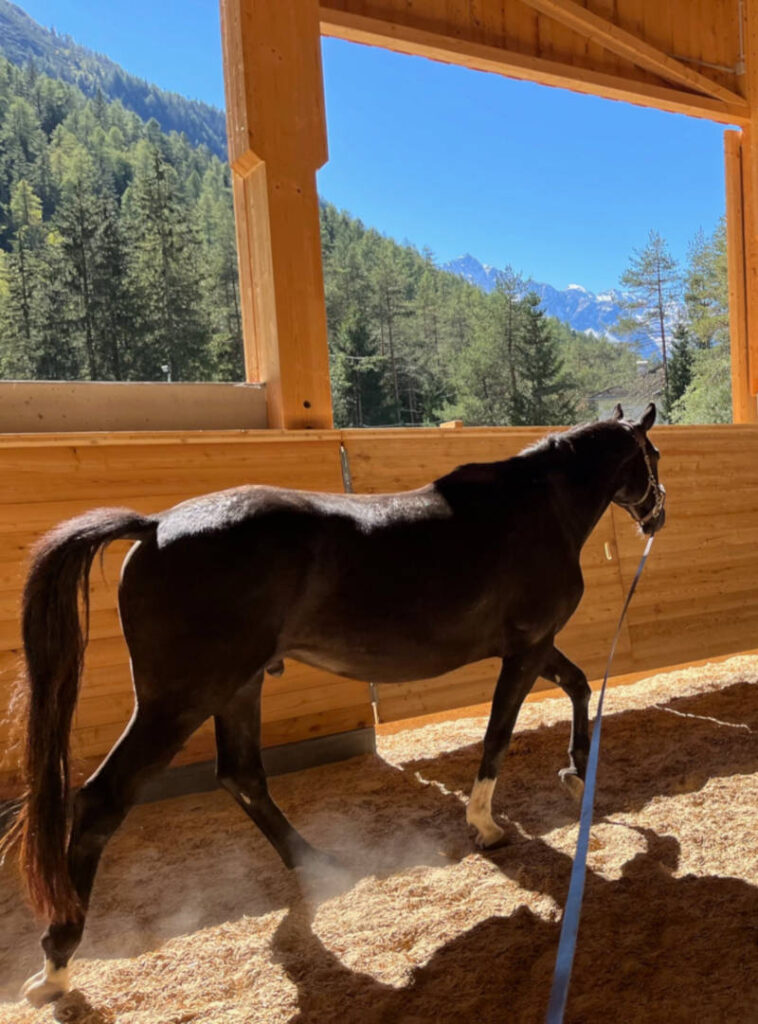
{"points": [[479, 813], [49, 984]]}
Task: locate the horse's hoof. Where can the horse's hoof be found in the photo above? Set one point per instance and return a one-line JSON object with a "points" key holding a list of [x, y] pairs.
{"points": [[310, 858], [489, 836], [572, 783], [323, 859], [40, 989]]}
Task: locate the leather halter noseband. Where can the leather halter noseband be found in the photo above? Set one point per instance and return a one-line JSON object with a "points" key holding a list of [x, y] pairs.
{"points": [[652, 485]]}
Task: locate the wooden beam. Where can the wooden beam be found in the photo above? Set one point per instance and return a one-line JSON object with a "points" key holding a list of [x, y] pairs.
{"points": [[277, 141], [744, 409], [465, 53], [749, 153], [632, 48]]}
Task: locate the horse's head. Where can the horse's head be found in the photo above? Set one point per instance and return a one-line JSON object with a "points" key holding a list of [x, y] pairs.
{"points": [[639, 491]]}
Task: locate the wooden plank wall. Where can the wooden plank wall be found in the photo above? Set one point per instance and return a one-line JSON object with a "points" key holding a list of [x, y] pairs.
{"points": [[47, 479], [699, 595]]}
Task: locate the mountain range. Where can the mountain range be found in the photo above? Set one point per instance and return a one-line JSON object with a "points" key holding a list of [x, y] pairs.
{"points": [[583, 310]]}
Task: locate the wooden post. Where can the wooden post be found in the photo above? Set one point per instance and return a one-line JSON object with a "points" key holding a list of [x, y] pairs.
{"points": [[749, 154], [277, 141], [744, 408]]}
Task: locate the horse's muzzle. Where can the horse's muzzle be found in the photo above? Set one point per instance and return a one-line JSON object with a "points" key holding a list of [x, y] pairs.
{"points": [[657, 522]]}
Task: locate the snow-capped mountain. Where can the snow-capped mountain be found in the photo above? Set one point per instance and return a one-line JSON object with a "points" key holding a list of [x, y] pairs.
{"points": [[581, 309]]}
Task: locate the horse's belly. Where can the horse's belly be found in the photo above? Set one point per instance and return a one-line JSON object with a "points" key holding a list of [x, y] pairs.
{"points": [[385, 666]]}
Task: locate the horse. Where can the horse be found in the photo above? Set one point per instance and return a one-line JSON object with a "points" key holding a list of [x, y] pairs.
{"points": [[481, 563]]}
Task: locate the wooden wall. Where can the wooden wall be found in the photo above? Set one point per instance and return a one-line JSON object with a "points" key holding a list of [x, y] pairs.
{"points": [[698, 597], [47, 478], [52, 406]]}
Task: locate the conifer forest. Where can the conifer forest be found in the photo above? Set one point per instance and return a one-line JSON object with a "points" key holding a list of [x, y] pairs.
{"points": [[118, 262]]}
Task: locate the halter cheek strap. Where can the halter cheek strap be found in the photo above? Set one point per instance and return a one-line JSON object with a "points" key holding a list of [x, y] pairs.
{"points": [[652, 485]]}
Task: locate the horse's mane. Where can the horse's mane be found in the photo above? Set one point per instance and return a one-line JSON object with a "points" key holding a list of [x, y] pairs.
{"points": [[549, 453]]}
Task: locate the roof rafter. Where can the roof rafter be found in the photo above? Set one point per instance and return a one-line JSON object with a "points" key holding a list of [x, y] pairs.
{"points": [[359, 28], [627, 45]]}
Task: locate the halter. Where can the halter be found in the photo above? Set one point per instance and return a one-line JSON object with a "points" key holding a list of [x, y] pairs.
{"points": [[652, 485]]}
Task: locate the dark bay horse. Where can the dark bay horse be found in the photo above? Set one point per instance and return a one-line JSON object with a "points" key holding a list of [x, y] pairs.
{"points": [[482, 563]]}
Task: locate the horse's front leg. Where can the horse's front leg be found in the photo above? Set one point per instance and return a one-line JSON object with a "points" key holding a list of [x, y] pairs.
{"points": [[558, 669], [516, 679]]}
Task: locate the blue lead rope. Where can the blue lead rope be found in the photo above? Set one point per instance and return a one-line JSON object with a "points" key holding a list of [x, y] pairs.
{"points": [[564, 961]]}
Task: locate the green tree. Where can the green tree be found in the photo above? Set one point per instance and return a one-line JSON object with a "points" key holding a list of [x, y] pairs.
{"points": [[653, 281], [357, 372], [164, 272], [681, 362], [706, 289], [24, 267], [508, 319], [708, 398], [220, 289], [543, 392], [78, 223]]}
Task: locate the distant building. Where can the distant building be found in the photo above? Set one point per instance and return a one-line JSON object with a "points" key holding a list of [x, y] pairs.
{"points": [[648, 386]]}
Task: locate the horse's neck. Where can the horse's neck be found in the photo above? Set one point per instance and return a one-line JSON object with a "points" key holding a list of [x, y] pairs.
{"points": [[589, 481]]}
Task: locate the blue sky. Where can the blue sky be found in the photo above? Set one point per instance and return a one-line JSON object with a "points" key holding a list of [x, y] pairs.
{"points": [[560, 186]]}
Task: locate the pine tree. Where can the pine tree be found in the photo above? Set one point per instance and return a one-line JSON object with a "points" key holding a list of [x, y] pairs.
{"points": [[214, 216], [653, 281], [542, 397], [680, 364], [357, 371], [164, 273], [707, 397], [391, 304], [23, 279], [508, 323], [706, 292], [78, 223]]}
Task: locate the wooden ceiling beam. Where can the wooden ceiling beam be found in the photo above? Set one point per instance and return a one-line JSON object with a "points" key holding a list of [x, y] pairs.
{"points": [[359, 28], [630, 47]]}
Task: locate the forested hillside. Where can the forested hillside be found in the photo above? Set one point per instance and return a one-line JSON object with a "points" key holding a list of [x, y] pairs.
{"points": [[412, 344], [118, 262], [22, 41], [117, 242]]}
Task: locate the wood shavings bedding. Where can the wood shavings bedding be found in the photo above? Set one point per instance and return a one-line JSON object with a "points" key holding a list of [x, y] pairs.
{"points": [[194, 919]]}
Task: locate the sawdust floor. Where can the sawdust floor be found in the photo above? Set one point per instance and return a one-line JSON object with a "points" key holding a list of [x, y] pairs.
{"points": [[194, 919]]}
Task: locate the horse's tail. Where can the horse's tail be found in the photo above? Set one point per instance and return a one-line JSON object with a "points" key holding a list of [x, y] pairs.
{"points": [[55, 637]]}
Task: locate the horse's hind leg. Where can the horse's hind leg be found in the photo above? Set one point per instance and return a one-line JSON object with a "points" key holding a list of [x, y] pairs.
{"points": [[148, 743], [239, 768], [558, 669], [516, 679]]}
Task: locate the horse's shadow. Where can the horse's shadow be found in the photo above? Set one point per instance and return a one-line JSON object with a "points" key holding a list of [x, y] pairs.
{"points": [[229, 870], [644, 954], [696, 738]]}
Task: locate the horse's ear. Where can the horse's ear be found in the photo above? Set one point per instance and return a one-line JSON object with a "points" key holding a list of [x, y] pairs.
{"points": [[618, 412], [648, 418]]}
